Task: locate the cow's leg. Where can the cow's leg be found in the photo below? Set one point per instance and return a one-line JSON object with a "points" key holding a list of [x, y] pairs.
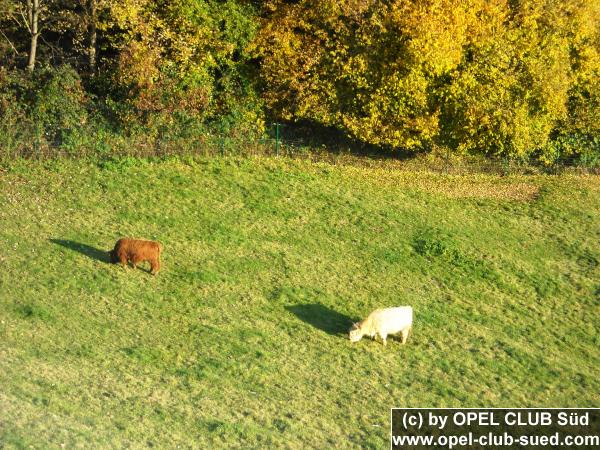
{"points": [[405, 333], [155, 266], [383, 339]]}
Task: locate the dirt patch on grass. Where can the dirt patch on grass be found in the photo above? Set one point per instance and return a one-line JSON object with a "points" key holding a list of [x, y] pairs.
{"points": [[520, 191], [520, 188]]}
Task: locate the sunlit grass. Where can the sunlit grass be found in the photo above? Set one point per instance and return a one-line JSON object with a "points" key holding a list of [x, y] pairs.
{"points": [[241, 338]]}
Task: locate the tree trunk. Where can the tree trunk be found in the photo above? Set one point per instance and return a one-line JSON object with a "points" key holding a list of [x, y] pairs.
{"points": [[91, 29], [33, 11]]}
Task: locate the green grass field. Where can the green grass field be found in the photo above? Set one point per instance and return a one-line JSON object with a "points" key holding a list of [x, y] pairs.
{"points": [[241, 340]]}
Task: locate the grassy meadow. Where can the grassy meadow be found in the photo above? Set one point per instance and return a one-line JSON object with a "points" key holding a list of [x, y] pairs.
{"points": [[241, 339]]}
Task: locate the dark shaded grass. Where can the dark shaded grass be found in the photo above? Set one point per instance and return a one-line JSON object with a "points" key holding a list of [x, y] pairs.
{"points": [[84, 249], [322, 318]]}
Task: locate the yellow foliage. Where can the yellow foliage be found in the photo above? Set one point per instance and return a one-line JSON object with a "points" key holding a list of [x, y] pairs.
{"points": [[492, 76]]}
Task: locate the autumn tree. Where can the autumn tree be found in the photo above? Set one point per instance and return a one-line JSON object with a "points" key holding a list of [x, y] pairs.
{"points": [[582, 125], [48, 31], [495, 77], [20, 27], [511, 91], [91, 22], [184, 55], [366, 66]]}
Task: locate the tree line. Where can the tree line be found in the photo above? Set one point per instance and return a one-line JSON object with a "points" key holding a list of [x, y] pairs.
{"points": [[515, 78]]}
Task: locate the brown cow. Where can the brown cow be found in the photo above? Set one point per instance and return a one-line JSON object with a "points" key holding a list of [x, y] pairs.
{"points": [[136, 251]]}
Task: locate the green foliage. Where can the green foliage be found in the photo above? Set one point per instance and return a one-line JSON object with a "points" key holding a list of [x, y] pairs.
{"points": [[16, 125], [585, 148], [59, 102], [45, 108]]}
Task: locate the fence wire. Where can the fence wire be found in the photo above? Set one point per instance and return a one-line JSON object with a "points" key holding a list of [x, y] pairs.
{"points": [[278, 145]]}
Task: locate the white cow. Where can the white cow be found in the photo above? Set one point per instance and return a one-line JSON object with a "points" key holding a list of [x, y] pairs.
{"points": [[383, 322]]}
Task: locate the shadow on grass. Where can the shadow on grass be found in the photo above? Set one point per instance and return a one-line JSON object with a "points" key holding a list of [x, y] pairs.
{"points": [[334, 141], [322, 317], [87, 250]]}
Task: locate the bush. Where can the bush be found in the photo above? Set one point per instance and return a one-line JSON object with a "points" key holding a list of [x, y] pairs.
{"points": [[40, 110], [16, 126], [59, 104]]}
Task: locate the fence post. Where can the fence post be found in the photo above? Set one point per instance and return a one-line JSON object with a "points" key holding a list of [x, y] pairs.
{"points": [[447, 162], [38, 140], [277, 138]]}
